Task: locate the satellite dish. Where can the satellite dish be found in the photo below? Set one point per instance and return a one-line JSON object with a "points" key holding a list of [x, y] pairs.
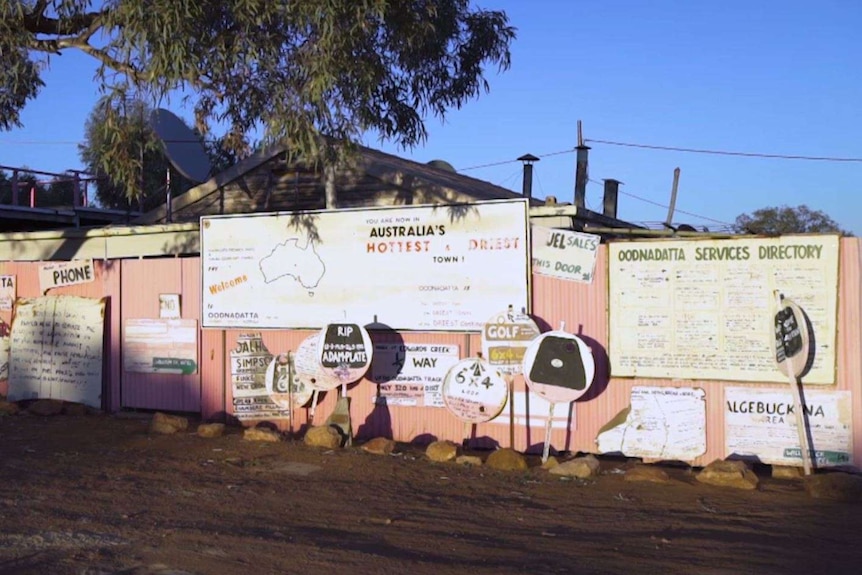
{"points": [[182, 146], [442, 165]]}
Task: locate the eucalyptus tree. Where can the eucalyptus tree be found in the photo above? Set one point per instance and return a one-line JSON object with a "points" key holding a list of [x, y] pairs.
{"points": [[291, 69]]}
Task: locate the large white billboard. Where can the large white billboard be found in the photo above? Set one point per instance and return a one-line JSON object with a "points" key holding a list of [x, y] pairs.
{"points": [[426, 268], [705, 309]]}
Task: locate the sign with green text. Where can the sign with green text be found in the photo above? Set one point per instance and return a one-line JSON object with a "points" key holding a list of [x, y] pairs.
{"points": [[160, 346]]}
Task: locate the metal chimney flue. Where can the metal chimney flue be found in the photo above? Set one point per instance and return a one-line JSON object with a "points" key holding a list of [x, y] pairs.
{"points": [[527, 185], [609, 203], [581, 175]]}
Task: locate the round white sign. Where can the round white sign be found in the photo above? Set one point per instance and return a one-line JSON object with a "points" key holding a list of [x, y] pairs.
{"points": [[559, 367], [474, 391], [278, 383], [505, 339], [792, 344], [309, 372], [345, 351]]}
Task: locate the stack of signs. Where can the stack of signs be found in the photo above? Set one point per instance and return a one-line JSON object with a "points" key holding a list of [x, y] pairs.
{"points": [[474, 391], [345, 351], [505, 340], [253, 396], [559, 367]]}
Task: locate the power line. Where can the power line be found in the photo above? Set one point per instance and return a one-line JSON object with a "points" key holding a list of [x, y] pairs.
{"points": [[676, 210], [40, 142], [726, 152], [504, 162]]}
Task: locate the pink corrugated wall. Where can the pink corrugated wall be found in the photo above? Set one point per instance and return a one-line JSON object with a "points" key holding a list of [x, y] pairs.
{"points": [[106, 285], [142, 282], [583, 308]]}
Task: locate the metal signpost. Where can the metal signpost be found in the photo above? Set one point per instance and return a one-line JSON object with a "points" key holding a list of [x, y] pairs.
{"points": [[559, 367], [792, 348]]}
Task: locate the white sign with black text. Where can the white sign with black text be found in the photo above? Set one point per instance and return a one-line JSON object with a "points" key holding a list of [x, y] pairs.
{"points": [[59, 274], [564, 254]]}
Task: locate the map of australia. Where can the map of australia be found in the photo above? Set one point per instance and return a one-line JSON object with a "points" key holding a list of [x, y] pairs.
{"points": [[289, 259]]}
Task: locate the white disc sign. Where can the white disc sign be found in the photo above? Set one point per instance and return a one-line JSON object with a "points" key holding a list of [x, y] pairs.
{"points": [[345, 351], [559, 367], [309, 372], [474, 391], [505, 339], [278, 383]]}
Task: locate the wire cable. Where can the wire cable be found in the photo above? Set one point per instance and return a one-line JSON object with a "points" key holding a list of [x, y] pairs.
{"points": [[726, 152]]}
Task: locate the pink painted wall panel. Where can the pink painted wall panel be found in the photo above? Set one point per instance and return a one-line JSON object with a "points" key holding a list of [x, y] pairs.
{"points": [[142, 282], [105, 285]]}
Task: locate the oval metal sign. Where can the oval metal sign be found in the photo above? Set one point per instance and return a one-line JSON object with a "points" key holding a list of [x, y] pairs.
{"points": [[345, 351], [792, 344], [559, 367], [505, 339], [309, 372], [278, 382], [474, 391]]}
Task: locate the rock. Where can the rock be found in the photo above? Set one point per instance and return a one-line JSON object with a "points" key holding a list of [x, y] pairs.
{"points": [[734, 474], [550, 463], [46, 407], [261, 434], [441, 451], [472, 460], [834, 486], [162, 427], [323, 436], [379, 446], [75, 409], [211, 429], [647, 473], [7, 408], [507, 460], [580, 467], [162, 422], [787, 472]]}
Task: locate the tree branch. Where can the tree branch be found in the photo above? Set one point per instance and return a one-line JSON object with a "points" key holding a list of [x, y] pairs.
{"points": [[37, 23], [54, 46]]}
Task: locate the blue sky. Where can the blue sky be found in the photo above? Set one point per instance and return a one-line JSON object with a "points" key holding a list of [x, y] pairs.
{"points": [[768, 77]]}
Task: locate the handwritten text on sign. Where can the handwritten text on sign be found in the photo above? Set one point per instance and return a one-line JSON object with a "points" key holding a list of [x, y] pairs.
{"points": [[428, 268], [56, 349], [564, 254], [704, 309], [661, 423], [411, 374], [57, 274]]}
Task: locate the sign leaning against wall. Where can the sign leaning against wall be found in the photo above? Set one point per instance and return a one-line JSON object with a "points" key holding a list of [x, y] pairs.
{"points": [[704, 309], [429, 268]]}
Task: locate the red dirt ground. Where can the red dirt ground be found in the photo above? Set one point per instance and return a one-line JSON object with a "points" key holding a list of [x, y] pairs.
{"points": [[100, 495]]}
